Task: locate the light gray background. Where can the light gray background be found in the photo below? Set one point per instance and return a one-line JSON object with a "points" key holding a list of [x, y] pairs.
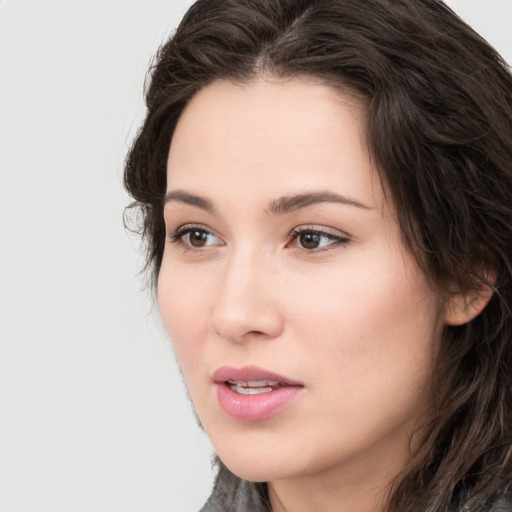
{"points": [[93, 414]]}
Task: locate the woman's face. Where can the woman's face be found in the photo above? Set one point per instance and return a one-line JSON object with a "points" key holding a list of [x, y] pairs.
{"points": [[303, 326]]}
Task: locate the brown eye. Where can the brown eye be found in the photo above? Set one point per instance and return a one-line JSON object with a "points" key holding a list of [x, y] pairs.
{"points": [[309, 240], [197, 238], [314, 240]]}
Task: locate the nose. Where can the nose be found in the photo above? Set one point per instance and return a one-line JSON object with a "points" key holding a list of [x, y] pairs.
{"points": [[247, 305]]}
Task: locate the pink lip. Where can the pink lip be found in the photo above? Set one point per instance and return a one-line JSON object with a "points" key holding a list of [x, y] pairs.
{"points": [[253, 407], [246, 373]]}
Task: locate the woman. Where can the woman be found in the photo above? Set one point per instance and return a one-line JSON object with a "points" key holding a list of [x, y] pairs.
{"points": [[326, 189]]}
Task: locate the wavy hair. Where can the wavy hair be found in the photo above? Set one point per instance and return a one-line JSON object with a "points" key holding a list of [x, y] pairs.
{"points": [[439, 128]]}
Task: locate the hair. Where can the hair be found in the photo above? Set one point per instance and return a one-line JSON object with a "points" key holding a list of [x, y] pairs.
{"points": [[438, 99]]}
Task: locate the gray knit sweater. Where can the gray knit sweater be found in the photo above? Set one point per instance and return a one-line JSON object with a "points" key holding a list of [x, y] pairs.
{"points": [[232, 494]]}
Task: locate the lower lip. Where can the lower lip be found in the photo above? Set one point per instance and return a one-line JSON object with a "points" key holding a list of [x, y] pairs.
{"points": [[255, 407]]}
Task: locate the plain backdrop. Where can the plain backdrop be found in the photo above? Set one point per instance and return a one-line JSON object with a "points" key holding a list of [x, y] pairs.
{"points": [[93, 414]]}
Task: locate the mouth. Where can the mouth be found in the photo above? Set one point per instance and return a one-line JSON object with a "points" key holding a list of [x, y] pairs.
{"points": [[254, 387], [252, 380], [254, 394]]}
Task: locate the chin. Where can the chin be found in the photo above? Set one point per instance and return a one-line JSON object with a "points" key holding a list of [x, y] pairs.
{"points": [[253, 471], [257, 464]]}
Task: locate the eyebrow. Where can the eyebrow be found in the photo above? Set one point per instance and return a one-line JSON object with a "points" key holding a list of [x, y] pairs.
{"points": [[280, 206], [193, 200], [289, 204]]}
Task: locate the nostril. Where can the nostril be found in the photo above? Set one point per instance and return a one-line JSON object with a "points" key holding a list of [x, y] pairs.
{"points": [[245, 319], [244, 337]]}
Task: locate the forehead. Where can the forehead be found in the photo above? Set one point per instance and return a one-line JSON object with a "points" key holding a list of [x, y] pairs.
{"points": [[281, 134]]}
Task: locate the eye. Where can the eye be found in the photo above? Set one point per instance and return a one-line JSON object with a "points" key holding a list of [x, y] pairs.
{"points": [[316, 239], [194, 237]]}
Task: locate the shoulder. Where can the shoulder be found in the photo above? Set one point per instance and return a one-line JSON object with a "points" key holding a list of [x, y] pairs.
{"points": [[232, 494], [501, 505]]}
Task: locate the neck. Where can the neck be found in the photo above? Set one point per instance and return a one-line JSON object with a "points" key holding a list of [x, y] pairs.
{"points": [[362, 487]]}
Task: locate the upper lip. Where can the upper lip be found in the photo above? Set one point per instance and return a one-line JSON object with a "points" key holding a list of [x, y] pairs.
{"points": [[250, 373]]}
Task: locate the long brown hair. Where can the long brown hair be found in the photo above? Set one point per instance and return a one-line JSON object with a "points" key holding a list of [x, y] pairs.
{"points": [[439, 128]]}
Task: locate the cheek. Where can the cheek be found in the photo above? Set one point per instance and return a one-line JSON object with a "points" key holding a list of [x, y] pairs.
{"points": [[376, 328], [349, 304], [183, 308]]}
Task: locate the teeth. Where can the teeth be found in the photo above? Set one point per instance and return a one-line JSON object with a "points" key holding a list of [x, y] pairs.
{"points": [[255, 383], [250, 391], [253, 387]]}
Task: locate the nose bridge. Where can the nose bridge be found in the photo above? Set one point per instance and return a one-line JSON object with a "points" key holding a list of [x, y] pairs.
{"points": [[246, 305]]}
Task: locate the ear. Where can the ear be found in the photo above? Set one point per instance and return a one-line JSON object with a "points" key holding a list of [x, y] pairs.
{"points": [[462, 307]]}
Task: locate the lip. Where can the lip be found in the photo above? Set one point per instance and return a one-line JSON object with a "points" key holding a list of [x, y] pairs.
{"points": [[254, 407], [246, 373]]}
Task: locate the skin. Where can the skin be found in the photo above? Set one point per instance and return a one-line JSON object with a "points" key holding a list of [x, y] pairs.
{"points": [[354, 320]]}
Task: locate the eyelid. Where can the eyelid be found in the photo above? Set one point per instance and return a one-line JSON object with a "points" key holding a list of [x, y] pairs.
{"points": [[335, 237], [339, 238], [181, 232]]}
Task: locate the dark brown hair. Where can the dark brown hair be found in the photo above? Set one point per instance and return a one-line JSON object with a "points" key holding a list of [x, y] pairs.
{"points": [[439, 128]]}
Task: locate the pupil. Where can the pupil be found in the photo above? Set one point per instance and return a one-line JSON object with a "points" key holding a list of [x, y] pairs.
{"points": [[197, 238], [309, 240]]}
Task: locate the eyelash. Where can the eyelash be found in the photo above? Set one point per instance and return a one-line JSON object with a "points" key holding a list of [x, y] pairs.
{"points": [[182, 232], [333, 239]]}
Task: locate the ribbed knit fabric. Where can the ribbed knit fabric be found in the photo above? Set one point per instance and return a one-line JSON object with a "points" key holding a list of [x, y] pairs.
{"points": [[232, 494]]}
